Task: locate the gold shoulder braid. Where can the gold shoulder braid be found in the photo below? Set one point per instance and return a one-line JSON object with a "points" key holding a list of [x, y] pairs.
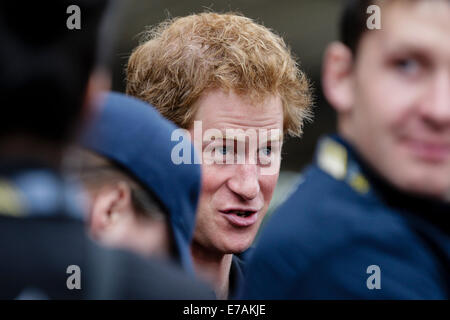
{"points": [[334, 159]]}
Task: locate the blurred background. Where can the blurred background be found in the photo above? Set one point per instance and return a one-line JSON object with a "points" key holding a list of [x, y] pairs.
{"points": [[307, 27]]}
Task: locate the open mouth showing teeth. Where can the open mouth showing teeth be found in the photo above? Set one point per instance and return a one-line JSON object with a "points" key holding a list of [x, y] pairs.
{"points": [[240, 213], [240, 218]]}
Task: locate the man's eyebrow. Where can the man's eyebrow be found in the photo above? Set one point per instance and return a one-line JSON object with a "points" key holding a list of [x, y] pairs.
{"points": [[241, 136], [403, 47], [278, 138], [275, 138], [406, 45], [411, 51]]}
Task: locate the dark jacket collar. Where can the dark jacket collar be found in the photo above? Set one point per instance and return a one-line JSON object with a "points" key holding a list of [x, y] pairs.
{"points": [[433, 210]]}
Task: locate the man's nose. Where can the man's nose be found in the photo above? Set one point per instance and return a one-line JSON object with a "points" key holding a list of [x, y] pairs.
{"points": [[245, 181], [435, 107]]}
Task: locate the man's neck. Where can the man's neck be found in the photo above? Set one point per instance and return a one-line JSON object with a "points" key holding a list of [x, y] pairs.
{"points": [[214, 267]]}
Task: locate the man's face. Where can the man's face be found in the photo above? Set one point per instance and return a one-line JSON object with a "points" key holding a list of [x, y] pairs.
{"points": [[235, 196], [400, 119]]}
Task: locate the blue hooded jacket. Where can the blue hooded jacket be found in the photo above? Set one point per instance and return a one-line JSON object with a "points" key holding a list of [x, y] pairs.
{"points": [[134, 135]]}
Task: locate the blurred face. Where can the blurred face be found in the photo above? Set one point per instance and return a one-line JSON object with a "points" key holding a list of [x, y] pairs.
{"points": [[400, 115], [235, 196]]}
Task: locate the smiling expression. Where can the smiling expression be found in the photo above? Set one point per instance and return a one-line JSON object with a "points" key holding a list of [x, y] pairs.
{"points": [[400, 119]]}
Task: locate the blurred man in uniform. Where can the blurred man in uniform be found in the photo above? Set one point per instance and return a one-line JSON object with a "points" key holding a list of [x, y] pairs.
{"points": [[371, 217], [48, 81], [139, 199], [224, 73]]}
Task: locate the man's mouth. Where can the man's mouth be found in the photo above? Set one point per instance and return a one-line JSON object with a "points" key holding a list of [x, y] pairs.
{"points": [[429, 151], [240, 217]]}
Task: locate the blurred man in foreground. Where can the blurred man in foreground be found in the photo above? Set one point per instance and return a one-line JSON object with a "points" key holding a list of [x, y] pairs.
{"points": [[139, 199], [48, 79], [371, 218], [234, 87]]}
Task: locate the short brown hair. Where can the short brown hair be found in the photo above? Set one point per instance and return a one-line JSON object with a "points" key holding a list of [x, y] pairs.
{"points": [[182, 57], [95, 171]]}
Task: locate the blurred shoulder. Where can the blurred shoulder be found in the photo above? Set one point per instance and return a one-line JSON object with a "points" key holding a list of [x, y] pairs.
{"points": [[130, 276], [324, 213]]}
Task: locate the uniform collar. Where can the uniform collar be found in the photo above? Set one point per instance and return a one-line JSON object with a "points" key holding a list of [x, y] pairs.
{"points": [[339, 158]]}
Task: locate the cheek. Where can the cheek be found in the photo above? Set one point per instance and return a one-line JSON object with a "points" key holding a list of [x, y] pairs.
{"points": [[385, 99], [267, 185], [212, 178], [380, 109]]}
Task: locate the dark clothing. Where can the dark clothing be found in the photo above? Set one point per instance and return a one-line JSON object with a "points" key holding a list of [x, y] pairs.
{"points": [[36, 252], [342, 220], [39, 242], [236, 275]]}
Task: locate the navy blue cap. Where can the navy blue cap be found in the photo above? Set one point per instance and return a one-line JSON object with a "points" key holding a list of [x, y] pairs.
{"points": [[133, 134]]}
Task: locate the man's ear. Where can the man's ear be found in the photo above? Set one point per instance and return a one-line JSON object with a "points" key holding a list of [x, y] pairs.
{"points": [[337, 76], [110, 206]]}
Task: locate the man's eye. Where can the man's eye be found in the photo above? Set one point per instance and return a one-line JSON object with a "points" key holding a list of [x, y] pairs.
{"points": [[222, 150], [266, 151], [410, 66]]}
